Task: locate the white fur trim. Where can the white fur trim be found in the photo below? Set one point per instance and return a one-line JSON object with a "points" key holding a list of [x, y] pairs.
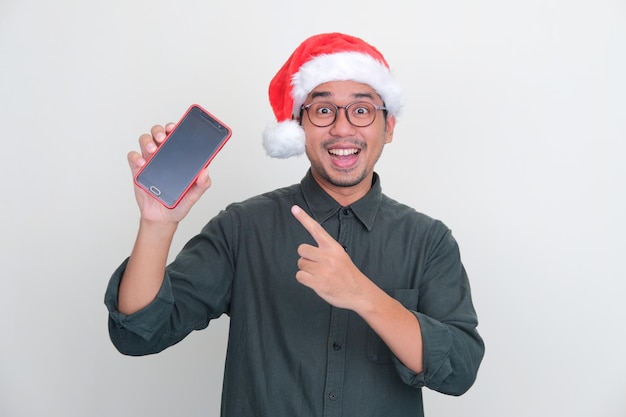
{"points": [[355, 66], [284, 139]]}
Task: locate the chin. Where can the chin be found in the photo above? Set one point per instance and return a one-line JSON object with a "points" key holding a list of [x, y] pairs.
{"points": [[348, 180]]}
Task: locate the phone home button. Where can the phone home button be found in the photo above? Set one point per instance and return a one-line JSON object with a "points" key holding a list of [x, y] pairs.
{"points": [[155, 190]]}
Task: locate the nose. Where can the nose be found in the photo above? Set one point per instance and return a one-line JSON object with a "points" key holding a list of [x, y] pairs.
{"points": [[341, 126]]}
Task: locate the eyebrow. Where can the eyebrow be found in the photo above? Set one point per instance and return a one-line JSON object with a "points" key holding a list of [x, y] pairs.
{"points": [[326, 94]]}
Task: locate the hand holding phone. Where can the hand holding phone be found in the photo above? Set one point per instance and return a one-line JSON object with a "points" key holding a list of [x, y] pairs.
{"points": [[189, 148]]}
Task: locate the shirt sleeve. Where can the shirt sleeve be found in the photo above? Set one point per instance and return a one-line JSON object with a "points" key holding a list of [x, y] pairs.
{"points": [[135, 334], [196, 289], [452, 347]]}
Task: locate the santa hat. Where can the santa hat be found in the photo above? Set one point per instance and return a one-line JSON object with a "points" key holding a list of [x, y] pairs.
{"points": [[320, 59]]}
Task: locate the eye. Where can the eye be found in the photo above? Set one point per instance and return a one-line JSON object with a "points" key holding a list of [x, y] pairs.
{"points": [[324, 109], [362, 109]]}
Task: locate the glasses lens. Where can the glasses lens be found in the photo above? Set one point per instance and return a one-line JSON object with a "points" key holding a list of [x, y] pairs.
{"points": [[322, 114], [361, 114]]}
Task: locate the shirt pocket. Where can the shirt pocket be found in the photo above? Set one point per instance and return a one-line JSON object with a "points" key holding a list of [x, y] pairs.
{"points": [[377, 350]]}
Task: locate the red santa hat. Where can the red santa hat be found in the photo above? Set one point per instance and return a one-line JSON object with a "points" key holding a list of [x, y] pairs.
{"points": [[320, 59]]}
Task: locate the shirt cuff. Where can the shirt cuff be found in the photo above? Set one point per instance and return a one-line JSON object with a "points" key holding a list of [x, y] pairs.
{"points": [[436, 344], [147, 321]]}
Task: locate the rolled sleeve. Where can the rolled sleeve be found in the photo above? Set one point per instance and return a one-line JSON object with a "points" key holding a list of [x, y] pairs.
{"points": [[145, 323], [450, 361], [452, 347], [437, 343]]}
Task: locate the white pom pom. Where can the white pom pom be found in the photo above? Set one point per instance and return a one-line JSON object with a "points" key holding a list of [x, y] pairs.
{"points": [[284, 139]]}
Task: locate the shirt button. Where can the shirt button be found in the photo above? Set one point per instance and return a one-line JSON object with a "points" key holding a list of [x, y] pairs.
{"points": [[332, 396], [337, 346], [346, 211]]}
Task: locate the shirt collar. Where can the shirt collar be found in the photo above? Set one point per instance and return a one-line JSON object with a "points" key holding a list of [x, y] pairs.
{"points": [[323, 206]]}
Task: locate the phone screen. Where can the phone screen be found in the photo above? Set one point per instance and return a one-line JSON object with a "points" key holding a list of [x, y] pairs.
{"points": [[187, 150]]}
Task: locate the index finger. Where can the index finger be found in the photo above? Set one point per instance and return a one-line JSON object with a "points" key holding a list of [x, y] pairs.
{"points": [[314, 228]]}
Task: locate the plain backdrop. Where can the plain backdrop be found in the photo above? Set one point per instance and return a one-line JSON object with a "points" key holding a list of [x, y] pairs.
{"points": [[513, 134]]}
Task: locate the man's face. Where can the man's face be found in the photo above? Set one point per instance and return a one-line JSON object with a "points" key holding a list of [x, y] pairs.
{"points": [[342, 155]]}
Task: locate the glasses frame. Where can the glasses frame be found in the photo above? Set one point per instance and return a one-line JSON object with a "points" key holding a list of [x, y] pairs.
{"points": [[345, 108]]}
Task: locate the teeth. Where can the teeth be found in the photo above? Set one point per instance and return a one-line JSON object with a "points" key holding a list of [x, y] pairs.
{"points": [[343, 152]]}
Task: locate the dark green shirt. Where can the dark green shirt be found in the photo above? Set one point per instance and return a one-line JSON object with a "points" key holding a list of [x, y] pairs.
{"points": [[289, 352]]}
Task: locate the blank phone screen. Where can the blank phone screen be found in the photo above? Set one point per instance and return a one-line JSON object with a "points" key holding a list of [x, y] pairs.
{"points": [[182, 156]]}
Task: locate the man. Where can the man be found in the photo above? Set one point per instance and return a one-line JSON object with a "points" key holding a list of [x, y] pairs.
{"points": [[342, 301]]}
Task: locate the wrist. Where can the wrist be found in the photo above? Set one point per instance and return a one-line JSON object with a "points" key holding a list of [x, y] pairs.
{"points": [[157, 228]]}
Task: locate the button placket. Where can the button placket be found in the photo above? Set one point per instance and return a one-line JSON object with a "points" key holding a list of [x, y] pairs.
{"points": [[336, 361], [335, 370]]}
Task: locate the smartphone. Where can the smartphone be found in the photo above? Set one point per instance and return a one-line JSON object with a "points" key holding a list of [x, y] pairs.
{"points": [[187, 150]]}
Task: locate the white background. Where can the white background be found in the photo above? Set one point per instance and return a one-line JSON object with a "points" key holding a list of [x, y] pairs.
{"points": [[513, 134]]}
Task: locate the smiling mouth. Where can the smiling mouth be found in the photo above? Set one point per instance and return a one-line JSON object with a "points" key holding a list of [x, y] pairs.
{"points": [[343, 152]]}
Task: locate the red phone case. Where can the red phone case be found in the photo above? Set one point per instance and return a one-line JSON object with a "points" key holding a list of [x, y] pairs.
{"points": [[154, 190]]}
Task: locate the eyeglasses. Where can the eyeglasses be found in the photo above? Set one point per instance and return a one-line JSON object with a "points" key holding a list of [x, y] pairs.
{"points": [[358, 113]]}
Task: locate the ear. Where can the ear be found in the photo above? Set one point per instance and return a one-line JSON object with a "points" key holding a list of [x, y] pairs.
{"points": [[389, 127]]}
